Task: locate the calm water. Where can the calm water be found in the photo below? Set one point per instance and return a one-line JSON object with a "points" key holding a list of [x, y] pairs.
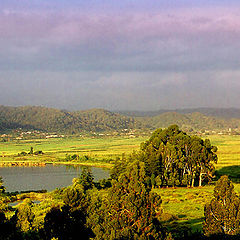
{"points": [[48, 177]]}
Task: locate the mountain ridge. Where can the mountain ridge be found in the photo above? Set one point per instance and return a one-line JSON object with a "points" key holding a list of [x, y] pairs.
{"points": [[55, 120], [98, 120], [226, 113]]}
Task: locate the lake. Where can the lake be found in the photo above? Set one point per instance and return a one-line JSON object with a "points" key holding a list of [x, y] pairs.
{"points": [[49, 177]]}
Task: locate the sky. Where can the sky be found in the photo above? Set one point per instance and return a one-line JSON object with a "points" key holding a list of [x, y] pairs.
{"points": [[120, 55]]}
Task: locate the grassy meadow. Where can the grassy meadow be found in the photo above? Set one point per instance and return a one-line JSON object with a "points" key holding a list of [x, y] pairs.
{"points": [[95, 147], [99, 150], [105, 149], [228, 150], [184, 207]]}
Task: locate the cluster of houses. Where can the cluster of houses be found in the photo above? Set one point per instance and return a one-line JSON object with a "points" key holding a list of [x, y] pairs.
{"points": [[19, 134]]}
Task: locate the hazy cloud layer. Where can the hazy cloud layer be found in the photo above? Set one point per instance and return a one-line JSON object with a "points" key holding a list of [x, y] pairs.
{"points": [[76, 55]]}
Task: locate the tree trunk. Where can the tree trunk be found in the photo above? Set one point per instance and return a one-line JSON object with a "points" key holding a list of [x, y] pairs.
{"points": [[200, 178], [193, 178]]}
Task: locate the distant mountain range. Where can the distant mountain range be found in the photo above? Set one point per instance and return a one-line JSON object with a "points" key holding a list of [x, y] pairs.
{"points": [[190, 121], [98, 120], [226, 113]]}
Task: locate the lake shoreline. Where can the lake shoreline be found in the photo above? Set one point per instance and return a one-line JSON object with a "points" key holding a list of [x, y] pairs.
{"points": [[43, 164]]}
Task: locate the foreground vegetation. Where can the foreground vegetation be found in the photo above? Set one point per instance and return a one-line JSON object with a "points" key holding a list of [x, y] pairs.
{"points": [[117, 209], [129, 209]]}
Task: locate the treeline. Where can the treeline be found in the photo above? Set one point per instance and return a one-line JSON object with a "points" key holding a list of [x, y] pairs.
{"points": [[97, 120]]}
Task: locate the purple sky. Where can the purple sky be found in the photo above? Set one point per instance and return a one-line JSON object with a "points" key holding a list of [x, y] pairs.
{"points": [[132, 55]]}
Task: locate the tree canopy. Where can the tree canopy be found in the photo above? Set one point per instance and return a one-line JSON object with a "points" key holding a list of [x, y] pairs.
{"points": [[173, 158], [132, 208]]}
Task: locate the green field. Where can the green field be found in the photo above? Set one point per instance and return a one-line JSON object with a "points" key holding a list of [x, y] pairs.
{"points": [[106, 148], [97, 147], [228, 150], [184, 207], [99, 150]]}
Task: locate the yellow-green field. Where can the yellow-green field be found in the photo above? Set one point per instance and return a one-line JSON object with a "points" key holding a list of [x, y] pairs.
{"points": [[105, 148], [102, 150], [228, 150], [99, 147]]}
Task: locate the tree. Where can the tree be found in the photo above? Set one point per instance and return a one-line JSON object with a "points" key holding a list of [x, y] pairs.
{"points": [[96, 217], [69, 221], [31, 150], [8, 230], [177, 158], [25, 216], [131, 208], [75, 196], [119, 167], [56, 224], [2, 188], [86, 179], [222, 214]]}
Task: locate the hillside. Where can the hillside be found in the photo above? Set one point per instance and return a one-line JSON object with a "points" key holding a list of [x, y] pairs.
{"points": [[226, 113], [54, 120], [194, 121], [98, 120]]}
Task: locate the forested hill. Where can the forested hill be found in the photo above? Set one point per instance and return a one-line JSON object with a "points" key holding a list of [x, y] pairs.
{"points": [[97, 120], [54, 120], [100, 119], [225, 113], [189, 121]]}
